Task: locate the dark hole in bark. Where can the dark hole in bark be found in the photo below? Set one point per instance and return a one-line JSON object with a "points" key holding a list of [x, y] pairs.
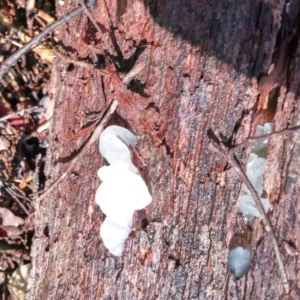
{"points": [[70, 67], [144, 223], [177, 262], [46, 231]]}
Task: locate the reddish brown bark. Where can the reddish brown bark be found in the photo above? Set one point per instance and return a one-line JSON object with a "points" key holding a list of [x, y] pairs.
{"points": [[203, 61]]}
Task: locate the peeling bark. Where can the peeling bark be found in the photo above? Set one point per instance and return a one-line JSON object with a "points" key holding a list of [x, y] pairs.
{"points": [[203, 61]]}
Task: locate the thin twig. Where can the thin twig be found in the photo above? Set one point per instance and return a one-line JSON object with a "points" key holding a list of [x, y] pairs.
{"points": [[71, 60], [7, 189], [86, 11], [266, 136], [137, 68], [93, 138], [19, 193], [80, 63], [5, 66], [230, 158]]}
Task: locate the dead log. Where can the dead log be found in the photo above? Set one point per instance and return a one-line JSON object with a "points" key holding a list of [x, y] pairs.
{"points": [[202, 61]]}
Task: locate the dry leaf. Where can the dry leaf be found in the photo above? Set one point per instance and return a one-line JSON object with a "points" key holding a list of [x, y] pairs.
{"points": [[4, 143], [12, 232], [18, 282], [9, 219]]}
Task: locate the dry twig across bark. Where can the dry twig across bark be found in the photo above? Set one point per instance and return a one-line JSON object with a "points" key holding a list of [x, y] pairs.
{"points": [[94, 137], [228, 155], [5, 66]]}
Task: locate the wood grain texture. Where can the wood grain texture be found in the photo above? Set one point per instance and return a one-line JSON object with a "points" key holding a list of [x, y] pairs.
{"points": [[203, 63]]}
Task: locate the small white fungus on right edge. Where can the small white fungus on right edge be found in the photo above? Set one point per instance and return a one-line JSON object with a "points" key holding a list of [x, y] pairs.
{"points": [[254, 170], [239, 260]]}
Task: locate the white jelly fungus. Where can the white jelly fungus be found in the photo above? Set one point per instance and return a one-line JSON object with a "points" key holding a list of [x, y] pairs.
{"points": [[261, 147], [114, 143], [254, 170], [119, 201], [239, 260], [115, 235], [122, 190]]}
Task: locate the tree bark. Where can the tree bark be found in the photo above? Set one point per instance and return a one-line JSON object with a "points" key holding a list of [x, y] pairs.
{"points": [[203, 62]]}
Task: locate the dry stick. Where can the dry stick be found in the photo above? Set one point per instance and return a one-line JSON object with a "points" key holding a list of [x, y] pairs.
{"points": [[81, 63], [229, 157], [93, 138], [90, 16], [137, 68], [17, 200], [19, 194], [5, 66], [71, 60], [266, 136]]}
